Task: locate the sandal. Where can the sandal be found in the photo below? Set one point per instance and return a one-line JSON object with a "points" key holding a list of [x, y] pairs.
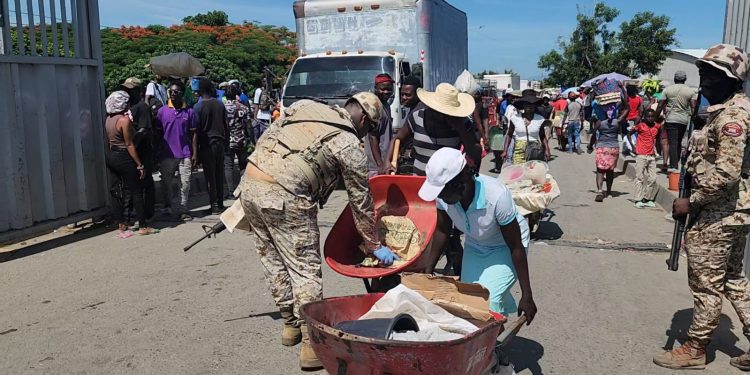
{"points": [[147, 231], [125, 234], [599, 197]]}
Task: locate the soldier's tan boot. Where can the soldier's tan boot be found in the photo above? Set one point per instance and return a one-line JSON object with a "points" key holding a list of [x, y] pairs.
{"points": [[291, 335], [308, 361], [690, 355], [742, 362]]}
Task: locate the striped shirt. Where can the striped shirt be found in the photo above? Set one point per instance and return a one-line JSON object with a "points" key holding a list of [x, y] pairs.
{"points": [[429, 136]]}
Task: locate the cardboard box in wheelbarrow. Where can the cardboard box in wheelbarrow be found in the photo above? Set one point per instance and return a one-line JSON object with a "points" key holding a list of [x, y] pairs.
{"points": [[344, 353]]}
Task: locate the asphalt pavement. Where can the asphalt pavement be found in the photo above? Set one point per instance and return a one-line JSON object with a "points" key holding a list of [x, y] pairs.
{"points": [[91, 303]]}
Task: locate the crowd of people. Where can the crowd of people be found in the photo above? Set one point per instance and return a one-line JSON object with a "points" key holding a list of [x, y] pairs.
{"points": [[171, 127], [298, 161]]}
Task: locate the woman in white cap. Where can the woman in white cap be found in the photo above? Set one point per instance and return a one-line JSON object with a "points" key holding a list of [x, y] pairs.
{"points": [[497, 235]]}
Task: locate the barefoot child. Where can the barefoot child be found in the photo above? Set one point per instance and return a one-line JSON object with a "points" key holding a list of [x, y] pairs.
{"points": [[645, 162]]}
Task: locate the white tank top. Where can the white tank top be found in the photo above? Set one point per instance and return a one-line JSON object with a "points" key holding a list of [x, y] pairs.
{"points": [[533, 128]]}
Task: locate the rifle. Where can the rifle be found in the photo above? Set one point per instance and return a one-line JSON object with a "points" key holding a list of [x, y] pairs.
{"points": [[686, 181], [210, 231]]}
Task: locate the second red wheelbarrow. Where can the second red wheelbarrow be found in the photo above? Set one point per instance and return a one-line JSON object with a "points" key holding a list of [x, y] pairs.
{"points": [[392, 195], [345, 354]]}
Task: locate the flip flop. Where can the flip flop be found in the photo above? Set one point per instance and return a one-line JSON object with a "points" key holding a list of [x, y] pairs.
{"points": [[125, 234], [149, 231]]}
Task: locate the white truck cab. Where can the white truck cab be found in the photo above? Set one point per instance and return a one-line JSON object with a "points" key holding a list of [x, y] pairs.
{"points": [[335, 76]]}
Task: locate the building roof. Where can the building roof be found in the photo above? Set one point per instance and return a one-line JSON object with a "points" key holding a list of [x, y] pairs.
{"points": [[694, 52]]}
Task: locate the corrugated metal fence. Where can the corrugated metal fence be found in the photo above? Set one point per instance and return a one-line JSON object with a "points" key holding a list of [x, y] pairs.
{"points": [[737, 26], [52, 166]]}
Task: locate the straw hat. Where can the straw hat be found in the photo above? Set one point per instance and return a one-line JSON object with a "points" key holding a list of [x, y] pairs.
{"points": [[447, 100]]}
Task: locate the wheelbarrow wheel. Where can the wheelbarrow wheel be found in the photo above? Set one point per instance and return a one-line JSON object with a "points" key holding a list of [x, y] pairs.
{"points": [[533, 219]]}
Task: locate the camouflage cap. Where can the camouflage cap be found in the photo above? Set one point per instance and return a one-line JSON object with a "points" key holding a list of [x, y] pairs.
{"points": [[730, 59], [370, 104], [132, 83]]}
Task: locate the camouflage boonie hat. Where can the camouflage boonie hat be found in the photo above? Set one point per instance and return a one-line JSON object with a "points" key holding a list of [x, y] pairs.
{"points": [[370, 104], [730, 59]]}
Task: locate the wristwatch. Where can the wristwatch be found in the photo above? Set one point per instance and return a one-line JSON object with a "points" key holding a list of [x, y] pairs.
{"points": [[140, 167]]}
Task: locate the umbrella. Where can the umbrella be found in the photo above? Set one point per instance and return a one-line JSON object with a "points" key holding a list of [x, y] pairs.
{"points": [[178, 64], [615, 76]]}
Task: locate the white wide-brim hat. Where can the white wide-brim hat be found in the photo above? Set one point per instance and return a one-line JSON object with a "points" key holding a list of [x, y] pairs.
{"points": [[447, 100]]}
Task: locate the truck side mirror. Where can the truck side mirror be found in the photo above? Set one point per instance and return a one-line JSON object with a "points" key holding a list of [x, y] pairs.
{"points": [[416, 71], [405, 69]]}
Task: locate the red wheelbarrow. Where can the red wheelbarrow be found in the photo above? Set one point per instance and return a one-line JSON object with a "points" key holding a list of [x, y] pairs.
{"points": [[345, 354], [392, 195]]}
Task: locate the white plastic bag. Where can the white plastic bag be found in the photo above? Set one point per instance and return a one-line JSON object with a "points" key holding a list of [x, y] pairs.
{"points": [[626, 149], [435, 324], [466, 83]]}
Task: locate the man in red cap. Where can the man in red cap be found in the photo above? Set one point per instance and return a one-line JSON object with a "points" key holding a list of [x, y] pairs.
{"points": [[379, 139]]}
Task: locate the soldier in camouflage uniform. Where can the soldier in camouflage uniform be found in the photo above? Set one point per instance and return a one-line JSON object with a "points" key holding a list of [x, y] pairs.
{"points": [[295, 166], [720, 165]]}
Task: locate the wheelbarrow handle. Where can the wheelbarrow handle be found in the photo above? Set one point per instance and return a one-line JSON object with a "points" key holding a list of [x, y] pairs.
{"points": [[511, 331], [394, 161]]}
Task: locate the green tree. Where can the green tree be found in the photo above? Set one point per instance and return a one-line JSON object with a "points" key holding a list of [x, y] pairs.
{"points": [[227, 52], [586, 50], [593, 48], [645, 40], [212, 18]]}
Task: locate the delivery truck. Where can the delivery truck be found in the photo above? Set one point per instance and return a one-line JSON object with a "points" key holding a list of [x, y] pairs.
{"points": [[344, 44]]}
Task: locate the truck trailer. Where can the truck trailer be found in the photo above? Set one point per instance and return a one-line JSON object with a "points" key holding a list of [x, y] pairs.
{"points": [[344, 44]]}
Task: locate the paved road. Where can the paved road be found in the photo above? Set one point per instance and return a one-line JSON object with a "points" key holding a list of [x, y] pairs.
{"points": [[142, 306]]}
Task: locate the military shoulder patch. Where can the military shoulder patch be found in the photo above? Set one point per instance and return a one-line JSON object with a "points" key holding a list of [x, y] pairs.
{"points": [[732, 129]]}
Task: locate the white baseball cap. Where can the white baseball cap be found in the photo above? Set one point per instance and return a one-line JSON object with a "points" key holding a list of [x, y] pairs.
{"points": [[444, 165]]}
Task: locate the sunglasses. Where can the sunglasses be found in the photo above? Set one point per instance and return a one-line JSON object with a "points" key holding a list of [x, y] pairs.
{"points": [[176, 92]]}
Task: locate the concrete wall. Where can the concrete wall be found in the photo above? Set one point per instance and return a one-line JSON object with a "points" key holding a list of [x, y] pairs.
{"points": [[505, 81], [680, 61]]}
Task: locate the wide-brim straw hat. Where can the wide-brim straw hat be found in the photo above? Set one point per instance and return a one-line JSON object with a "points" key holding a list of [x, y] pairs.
{"points": [[528, 97], [447, 100]]}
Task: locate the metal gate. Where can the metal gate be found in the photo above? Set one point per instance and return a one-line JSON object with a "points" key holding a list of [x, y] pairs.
{"points": [[52, 167]]}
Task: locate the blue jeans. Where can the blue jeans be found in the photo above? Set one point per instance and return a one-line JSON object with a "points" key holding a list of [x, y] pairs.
{"points": [[574, 133]]}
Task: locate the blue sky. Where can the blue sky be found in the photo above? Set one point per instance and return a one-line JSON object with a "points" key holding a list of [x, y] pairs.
{"points": [[503, 34]]}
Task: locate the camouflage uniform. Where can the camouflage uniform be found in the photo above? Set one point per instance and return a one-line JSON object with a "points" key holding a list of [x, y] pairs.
{"points": [[283, 215], [715, 244], [720, 165]]}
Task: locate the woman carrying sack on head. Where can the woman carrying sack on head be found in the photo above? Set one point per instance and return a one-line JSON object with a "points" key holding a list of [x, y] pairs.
{"points": [[610, 110], [526, 129]]}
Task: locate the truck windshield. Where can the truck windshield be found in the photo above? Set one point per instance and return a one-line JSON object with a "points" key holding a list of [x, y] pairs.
{"points": [[336, 77]]}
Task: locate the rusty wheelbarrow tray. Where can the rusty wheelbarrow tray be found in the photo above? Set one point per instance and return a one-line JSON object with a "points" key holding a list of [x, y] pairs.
{"points": [[392, 195], [346, 354]]}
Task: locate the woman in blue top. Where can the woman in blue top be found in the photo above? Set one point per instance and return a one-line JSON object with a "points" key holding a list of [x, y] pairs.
{"points": [[496, 234]]}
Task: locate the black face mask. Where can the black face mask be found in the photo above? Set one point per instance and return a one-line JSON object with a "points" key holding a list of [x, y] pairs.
{"points": [[716, 87], [176, 101]]}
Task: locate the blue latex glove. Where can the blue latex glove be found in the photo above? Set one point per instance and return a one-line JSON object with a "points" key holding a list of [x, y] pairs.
{"points": [[385, 255]]}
